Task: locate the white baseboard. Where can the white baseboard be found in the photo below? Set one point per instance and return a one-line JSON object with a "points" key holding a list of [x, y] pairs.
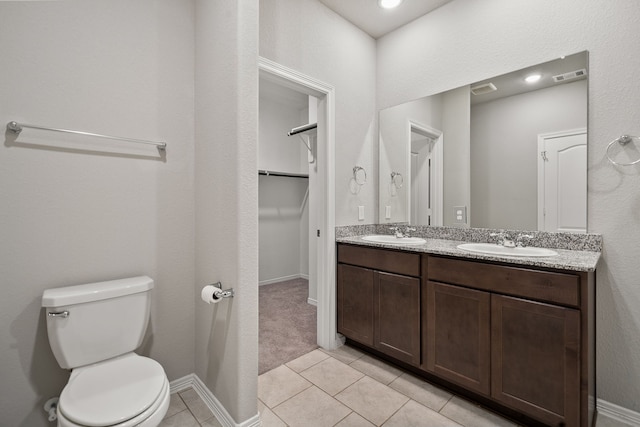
{"points": [[312, 301], [192, 381], [618, 413], [282, 279]]}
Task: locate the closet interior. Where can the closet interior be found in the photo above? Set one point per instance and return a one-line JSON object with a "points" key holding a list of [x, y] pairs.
{"points": [[286, 166]]}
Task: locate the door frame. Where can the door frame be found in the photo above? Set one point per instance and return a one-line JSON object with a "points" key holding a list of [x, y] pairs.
{"points": [[325, 160], [437, 182], [542, 138]]}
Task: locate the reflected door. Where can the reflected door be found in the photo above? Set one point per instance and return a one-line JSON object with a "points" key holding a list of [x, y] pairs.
{"points": [[562, 182]]}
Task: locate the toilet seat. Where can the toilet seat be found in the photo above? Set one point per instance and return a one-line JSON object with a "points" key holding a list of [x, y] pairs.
{"points": [[123, 391]]}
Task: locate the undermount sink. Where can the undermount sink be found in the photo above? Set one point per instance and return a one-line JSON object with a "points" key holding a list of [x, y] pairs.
{"points": [[393, 240], [493, 249]]}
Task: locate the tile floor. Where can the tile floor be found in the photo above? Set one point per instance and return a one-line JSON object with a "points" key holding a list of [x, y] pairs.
{"points": [[345, 388]]}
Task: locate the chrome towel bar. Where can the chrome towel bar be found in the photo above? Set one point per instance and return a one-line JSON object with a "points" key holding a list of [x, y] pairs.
{"points": [[17, 128]]}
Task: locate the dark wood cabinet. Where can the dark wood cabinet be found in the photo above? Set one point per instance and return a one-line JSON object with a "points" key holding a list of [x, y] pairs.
{"points": [[380, 309], [397, 316], [456, 338], [518, 339], [355, 303], [535, 359]]}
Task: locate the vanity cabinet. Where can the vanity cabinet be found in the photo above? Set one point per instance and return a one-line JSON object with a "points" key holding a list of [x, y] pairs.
{"points": [[517, 338], [525, 350], [379, 300]]}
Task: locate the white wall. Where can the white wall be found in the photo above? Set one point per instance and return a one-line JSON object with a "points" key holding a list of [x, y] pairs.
{"points": [[308, 37], [499, 36], [277, 151], [456, 123], [394, 148], [226, 189], [504, 151], [71, 216], [283, 229]]}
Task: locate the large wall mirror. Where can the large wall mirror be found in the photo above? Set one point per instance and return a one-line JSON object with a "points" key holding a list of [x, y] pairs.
{"points": [[508, 152]]}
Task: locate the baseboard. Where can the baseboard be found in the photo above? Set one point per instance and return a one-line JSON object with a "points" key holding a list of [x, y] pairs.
{"points": [[282, 279], [618, 413], [192, 381], [312, 301]]}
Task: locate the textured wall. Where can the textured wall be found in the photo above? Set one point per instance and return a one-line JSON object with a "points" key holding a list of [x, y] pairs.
{"points": [[466, 41], [504, 151], [95, 209], [226, 184], [308, 37]]}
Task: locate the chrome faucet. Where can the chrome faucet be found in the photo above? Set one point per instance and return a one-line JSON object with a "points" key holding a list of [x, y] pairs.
{"points": [[399, 233], [504, 239]]}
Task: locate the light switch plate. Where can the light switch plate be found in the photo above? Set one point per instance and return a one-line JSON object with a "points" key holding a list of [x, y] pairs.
{"points": [[387, 212], [360, 213]]}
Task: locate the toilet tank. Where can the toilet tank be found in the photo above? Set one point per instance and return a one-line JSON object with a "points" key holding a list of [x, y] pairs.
{"points": [[97, 321]]}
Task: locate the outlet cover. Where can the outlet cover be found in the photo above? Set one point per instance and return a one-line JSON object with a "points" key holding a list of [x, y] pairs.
{"points": [[460, 214]]}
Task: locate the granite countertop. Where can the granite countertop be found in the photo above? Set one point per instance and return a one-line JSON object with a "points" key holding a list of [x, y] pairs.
{"points": [[573, 260]]}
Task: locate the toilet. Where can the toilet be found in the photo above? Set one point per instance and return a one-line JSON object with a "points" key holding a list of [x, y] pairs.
{"points": [[93, 330]]}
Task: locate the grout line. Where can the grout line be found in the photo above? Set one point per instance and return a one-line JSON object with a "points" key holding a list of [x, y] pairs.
{"points": [[343, 418]]}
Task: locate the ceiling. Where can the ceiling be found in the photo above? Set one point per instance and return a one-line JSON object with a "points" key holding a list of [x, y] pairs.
{"points": [[375, 21]]}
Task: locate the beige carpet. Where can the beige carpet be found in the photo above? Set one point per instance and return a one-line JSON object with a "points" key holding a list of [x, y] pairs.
{"points": [[287, 323]]}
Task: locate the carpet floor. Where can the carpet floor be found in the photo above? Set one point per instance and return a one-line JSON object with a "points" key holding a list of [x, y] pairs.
{"points": [[287, 323]]}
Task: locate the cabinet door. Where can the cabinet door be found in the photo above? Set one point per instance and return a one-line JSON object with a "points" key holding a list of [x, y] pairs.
{"points": [[535, 359], [397, 316], [355, 303], [457, 335]]}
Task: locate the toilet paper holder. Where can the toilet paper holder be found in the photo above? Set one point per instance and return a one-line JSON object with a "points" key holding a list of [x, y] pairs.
{"points": [[227, 293]]}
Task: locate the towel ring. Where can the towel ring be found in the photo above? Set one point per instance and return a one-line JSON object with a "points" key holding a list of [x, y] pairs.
{"points": [[359, 175], [396, 179], [622, 140]]}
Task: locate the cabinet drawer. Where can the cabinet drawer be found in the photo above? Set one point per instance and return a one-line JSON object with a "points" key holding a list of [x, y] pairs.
{"points": [[380, 259], [535, 284]]}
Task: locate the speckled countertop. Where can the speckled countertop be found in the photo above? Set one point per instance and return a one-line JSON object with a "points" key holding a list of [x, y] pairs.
{"points": [[567, 259]]}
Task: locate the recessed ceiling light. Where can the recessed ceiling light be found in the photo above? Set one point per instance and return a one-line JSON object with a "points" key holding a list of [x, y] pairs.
{"points": [[389, 4], [532, 78]]}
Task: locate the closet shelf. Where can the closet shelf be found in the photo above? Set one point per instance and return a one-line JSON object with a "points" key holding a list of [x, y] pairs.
{"points": [[286, 174]]}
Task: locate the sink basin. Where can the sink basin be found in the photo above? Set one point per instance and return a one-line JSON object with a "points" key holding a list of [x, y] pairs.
{"points": [[393, 240], [493, 249]]}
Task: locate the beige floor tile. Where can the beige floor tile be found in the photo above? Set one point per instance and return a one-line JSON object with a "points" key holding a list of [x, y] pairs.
{"points": [[332, 376], [414, 414], [175, 405], [268, 418], [311, 408], [421, 391], [279, 384], [354, 420], [471, 415], [344, 354], [199, 409], [181, 419], [376, 369], [212, 422], [189, 395], [604, 421], [374, 401], [307, 361]]}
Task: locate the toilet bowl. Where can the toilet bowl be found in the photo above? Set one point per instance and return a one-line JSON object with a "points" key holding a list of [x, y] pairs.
{"points": [[93, 330]]}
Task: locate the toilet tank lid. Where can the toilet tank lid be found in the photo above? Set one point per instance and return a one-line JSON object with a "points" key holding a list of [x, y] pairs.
{"points": [[77, 294]]}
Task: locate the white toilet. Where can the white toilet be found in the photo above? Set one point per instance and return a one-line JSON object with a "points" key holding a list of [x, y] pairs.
{"points": [[93, 330]]}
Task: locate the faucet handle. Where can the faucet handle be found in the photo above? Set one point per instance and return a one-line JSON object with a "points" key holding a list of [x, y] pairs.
{"points": [[521, 237]]}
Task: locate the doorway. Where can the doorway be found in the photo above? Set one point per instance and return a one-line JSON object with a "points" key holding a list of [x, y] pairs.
{"points": [[321, 181], [426, 175]]}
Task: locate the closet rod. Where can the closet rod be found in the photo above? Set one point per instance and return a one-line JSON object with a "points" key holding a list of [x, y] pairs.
{"points": [[302, 129], [289, 175], [17, 128]]}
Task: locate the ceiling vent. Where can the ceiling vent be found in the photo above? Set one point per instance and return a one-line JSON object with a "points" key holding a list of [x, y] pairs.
{"points": [[483, 88], [570, 76]]}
